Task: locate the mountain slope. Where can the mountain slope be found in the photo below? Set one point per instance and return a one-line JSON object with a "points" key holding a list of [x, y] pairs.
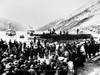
{"points": [[82, 18], [50, 25]]}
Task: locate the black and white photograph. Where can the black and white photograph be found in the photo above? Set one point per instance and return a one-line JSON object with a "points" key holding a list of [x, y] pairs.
{"points": [[49, 37]]}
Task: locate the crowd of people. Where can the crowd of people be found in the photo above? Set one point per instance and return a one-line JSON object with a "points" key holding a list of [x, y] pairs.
{"points": [[42, 58]]}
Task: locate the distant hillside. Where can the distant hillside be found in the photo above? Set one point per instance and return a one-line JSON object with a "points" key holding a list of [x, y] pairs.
{"points": [[50, 25], [5, 23], [86, 17]]}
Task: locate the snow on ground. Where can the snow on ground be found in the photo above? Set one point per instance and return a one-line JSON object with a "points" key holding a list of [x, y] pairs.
{"points": [[96, 71], [16, 37], [91, 67]]}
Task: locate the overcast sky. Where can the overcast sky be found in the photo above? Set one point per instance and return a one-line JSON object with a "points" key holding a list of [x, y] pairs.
{"points": [[38, 12]]}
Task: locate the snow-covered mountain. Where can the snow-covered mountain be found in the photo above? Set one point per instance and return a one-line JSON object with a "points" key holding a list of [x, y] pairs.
{"points": [[85, 18]]}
